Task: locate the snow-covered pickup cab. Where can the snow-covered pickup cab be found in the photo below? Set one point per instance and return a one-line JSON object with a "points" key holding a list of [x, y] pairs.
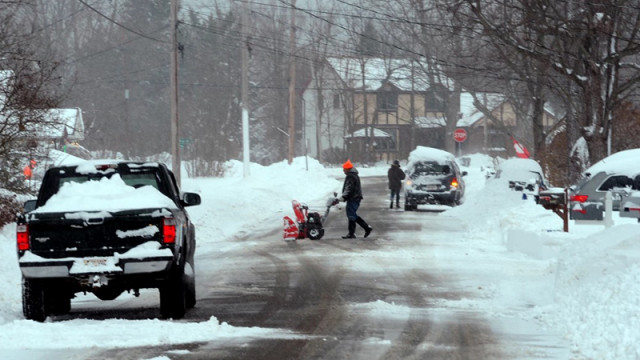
{"points": [[106, 228]]}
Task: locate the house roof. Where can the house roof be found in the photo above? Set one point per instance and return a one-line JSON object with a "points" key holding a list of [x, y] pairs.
{"points": [[57, 123], [470, 115], [378, 72], [60, 123], [362, 133]]}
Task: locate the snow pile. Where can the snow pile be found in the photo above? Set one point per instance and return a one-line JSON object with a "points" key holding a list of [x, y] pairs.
{"points": [[598, 293], [234, 205]]}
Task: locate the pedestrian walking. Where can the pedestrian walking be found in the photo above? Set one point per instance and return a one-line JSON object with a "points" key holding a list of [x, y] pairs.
{"points": [[395, 175], [352, 194]]}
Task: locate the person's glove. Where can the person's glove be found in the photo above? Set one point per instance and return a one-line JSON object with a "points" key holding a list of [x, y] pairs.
{"points": [[335, 201]]}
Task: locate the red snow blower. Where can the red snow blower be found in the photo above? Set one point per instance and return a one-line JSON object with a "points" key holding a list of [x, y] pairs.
{"points": [[308, 224]]}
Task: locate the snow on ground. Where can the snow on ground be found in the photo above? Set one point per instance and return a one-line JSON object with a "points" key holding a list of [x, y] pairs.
{"points": [[586, 283]]}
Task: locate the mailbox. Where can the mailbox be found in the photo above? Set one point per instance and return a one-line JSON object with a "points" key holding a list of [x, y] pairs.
{"points": [[555, 199], [551, 198]]}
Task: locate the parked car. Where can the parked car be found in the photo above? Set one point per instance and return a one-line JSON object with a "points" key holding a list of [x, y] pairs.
{"points": [[522, 175], [630, 205], [618, 173], [433, 177]]}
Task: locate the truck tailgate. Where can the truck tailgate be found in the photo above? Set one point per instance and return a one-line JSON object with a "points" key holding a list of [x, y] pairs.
{"points": [[87, 234]]}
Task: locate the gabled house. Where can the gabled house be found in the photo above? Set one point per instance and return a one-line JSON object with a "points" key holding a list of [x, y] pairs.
{"points": [[492, 134], [375, 109], [62, 126], [49, 128]]}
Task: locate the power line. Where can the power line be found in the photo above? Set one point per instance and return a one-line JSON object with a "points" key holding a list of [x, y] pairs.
{"points": [[118, 24]]}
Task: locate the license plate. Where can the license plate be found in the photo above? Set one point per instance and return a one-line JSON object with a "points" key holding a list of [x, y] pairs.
{"points": [[95, 262], [432, 187]]}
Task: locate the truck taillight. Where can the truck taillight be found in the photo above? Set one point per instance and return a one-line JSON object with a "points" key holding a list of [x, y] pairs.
{"points": [[169, 230], [22, 234], [579, 198], [454, 183]]}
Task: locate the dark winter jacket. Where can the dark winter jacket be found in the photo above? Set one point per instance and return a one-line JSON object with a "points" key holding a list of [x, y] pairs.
{"points": [[395, 175], [351, 190]]}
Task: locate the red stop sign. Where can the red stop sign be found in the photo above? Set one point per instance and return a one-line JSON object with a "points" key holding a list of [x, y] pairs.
{"points": [[459, 135]]}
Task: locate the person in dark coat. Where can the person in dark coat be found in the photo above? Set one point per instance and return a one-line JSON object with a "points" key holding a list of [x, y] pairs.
{"points": [[352, 194], [395, 175]]}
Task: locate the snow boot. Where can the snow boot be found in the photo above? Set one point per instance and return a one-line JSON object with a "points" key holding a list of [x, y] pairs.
{"points": [[365, 226], [391, 205], [352, 230]]}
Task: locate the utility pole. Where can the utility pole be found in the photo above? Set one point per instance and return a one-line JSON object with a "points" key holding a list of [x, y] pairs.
{"points": [[292, 84], [246, 158], [175, 129]]}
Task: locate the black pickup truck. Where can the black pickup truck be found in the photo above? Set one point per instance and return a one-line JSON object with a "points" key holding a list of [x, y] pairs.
{"points": [[105, 228]]}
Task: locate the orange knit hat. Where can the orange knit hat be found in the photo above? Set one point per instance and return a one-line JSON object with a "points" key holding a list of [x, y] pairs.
{"points": [[347, 165]]}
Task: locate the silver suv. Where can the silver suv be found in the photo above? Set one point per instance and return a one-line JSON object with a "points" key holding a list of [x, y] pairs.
{"points": [[433, 177], [618, 173]]}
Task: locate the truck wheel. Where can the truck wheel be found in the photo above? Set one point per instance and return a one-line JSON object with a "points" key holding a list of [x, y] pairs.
{"points": [[33, 300], [173, 296]]}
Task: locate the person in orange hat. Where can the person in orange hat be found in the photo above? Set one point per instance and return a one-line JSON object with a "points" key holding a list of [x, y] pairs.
{"points": [[352, 194], [28, 169]]}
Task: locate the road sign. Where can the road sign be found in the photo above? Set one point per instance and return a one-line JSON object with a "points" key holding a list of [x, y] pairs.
{"points": [[460, 135]]}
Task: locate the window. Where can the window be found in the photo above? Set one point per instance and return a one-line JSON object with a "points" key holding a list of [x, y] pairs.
{"points": [[619, 181], [435, 102], [386, 143], [336, 101], [387, 101]]}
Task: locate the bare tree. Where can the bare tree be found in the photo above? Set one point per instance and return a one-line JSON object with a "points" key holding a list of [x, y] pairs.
{"points": [[593, 45], [28, 82]]}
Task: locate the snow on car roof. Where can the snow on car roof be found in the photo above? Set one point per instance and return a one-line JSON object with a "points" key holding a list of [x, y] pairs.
{"points": [[626, 162], [518, 169], [518, 164], [422, 153]]}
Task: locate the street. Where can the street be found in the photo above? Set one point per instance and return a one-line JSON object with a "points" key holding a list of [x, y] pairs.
{"points": [[346, 299]]}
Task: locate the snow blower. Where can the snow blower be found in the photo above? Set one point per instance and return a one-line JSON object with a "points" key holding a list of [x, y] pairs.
{"points": [[308, 224]]}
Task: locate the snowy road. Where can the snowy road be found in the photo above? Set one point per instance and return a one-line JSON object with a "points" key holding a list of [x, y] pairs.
{"points": [[403, 293]]}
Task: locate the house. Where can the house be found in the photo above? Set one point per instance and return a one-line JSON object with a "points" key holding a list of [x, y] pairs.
{"points": [[62, 130], [375, 109], [62, 126], [492, 134], [49, 128]]}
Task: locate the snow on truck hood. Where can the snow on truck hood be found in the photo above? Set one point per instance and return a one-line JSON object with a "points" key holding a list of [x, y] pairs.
{"points": [[106, 194]]}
